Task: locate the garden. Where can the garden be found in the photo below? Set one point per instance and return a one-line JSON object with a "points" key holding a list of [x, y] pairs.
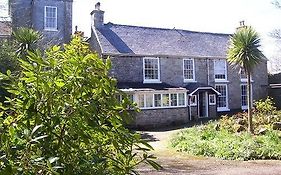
{"points": [[228, 137]]}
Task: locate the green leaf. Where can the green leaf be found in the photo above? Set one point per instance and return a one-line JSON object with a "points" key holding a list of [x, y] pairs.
{"points": [[53, 159], [35, 129], [38, 138], [154, 164], [9, 73], [59, 83]]}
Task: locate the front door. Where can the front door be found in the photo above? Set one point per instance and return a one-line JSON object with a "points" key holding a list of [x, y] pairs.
{"points": [[203, 104]]}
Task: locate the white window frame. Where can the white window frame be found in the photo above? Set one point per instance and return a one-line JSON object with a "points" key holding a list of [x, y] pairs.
{"points": [[244, 79], [193, 70], [195, 102], [45, 17], [244, 107], [158, 67], [226, 108], [225, 64], [161, 102], [212, 96], [5, 10], [184, 96]]}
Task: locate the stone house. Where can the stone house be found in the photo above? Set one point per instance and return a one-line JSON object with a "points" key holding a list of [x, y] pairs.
{"points": [[275, 89], [174, 76], [52, 18]]}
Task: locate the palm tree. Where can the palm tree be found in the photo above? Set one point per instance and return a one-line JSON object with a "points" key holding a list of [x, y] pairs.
{"points": [[244, 53], [27, 39]]}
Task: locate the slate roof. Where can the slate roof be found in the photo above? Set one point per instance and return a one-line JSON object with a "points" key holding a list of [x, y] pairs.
{"points": [[141, 85], [135, 40]]}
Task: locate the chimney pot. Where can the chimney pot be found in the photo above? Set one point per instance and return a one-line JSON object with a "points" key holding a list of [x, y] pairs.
{"points": [[97, 6], [97, 16]]}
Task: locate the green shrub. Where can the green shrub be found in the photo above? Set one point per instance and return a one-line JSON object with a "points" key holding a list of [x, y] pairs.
{"points": [[265, 106], [207, 141], [63, 117]]}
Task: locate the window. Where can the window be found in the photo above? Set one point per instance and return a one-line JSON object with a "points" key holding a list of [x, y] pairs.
{"points": [[157, 100], [174, 99], [223, 98], [181, 99], [140, 100], [4, 8], [148, 100], [188, 69], [212, 99], [244, 103], [220, 70], [165, 100], [151, 70], [243, 74], [50, 18], [193, 100]]}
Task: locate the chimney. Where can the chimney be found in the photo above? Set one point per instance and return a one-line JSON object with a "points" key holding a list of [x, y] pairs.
{"points": [[242, 25], [97, 16]]}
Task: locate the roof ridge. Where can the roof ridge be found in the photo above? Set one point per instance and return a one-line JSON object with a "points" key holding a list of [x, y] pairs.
{"points": [[158, 28]]}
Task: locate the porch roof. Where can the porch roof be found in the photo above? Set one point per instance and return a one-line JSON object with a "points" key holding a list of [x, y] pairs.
{"points": [[140, 86], [194, 87]]}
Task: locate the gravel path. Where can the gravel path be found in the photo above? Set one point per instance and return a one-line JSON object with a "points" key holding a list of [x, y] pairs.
{"points": [[183, 164]]}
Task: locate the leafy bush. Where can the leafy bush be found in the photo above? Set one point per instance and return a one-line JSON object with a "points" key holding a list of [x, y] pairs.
{"points": [[265, 106], [264, 116], [205, 140], [63, 117]]}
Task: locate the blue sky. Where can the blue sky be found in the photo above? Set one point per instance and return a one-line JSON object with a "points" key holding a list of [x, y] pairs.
{"points": [[219, 16]]}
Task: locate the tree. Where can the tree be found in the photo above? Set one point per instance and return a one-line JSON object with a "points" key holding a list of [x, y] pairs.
{"points": [[64, 118], [22, 41], [27, 40], [244, 53]]}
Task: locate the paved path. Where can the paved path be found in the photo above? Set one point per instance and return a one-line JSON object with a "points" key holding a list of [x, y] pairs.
{"points": [[183, 164]]}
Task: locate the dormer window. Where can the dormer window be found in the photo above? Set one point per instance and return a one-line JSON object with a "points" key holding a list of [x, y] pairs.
{"points": [[50, 18], [220, 70], [151, 70]]}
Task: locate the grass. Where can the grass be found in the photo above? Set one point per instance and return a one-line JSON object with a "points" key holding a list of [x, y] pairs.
{"points": [[205, 140]]}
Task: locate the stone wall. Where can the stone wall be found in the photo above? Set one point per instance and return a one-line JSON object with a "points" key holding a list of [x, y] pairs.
{"points": [[156, 118], [171, 72], [30, 13]]}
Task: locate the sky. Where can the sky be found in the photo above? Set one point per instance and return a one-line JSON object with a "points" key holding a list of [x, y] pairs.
{"points": [[218, 16]]}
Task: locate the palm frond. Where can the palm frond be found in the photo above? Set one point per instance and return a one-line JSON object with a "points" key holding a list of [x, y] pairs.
{"points": [[244, 49]]}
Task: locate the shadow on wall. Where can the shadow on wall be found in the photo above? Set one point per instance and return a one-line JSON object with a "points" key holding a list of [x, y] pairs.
{"points": [[275, 89]]}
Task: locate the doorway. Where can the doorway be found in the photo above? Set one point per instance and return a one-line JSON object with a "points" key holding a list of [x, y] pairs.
{"points": [[203, 104]]}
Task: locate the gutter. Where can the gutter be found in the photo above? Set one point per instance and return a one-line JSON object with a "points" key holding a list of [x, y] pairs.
{"points": [[161, 55]]}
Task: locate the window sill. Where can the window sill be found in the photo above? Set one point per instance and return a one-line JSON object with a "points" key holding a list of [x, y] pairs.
{"points": [[212, 104], [245, 81], [221, 81], [189, 81], [164, 107], [51, 30], [151, 81], [223, 109]]}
